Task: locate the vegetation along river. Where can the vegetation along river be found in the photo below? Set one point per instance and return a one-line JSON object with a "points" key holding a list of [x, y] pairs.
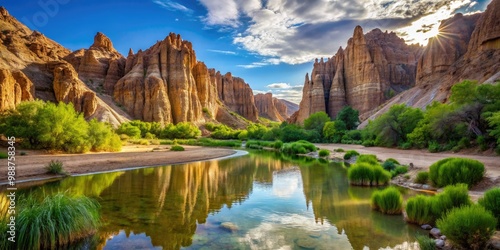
{"points": [[262, 200]]}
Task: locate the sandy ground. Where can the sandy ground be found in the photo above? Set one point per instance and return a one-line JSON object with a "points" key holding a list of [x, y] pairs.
{"points": [[31, 165], [422, 159]]}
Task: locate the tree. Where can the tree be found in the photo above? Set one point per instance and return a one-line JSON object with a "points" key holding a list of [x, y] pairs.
{"points": [[392, 128], [334, 131], [316, 121], [349, 116]]}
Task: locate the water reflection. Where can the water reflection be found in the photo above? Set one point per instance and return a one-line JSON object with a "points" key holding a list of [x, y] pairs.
{"points": [[258, 201]]}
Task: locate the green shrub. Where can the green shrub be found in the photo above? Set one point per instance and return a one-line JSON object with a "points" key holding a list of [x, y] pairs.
{"points": [[324, 152], [177, 148], [434, 147], [340, 150], [389, 165], [426, 243], [469, 227], [407, 176], [364, 174], [349, 154], [399, 170], [278, 144], [452, 196], [491, 201], [54, 167], [450, 171], [419, 210], [388, 201], [422, 177], [55, 221], [144, 142], [3, 155], [298, 147], [371, 159]]}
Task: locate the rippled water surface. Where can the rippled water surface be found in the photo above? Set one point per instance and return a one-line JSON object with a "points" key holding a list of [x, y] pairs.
{"points": [[258, 201]]}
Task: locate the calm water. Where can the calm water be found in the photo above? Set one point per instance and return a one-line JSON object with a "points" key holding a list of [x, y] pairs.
{"points": [[257, 201]]}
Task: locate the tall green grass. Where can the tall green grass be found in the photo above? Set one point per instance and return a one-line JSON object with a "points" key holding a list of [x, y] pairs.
{"points": [[387, 201], [324, 152], [55, 221], [451, 171], [426, 243], [469, 227], [427, 209], [365, 174], [298, 147], [422, 177], [371, 159], [206, 142], [491, 201]]}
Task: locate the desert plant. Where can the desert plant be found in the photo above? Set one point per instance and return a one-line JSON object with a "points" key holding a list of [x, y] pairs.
{"points": [[491, 201], [54, 167], [469, 227], [55, 221], [324, 152], [349, 154], [422, 177], [418, 210], [177, 148], [451, 171], [387, 201]]}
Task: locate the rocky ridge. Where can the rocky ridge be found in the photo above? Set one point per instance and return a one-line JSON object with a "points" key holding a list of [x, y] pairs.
{"points": [[271, 107], [372, 68], [467, 49], [164, 83]]}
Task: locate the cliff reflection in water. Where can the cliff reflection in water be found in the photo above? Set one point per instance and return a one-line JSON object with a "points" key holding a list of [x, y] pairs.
{"points": [[184, 205]]}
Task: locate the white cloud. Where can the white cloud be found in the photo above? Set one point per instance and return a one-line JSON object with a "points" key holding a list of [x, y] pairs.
{"points": [[253, 65], [297, 31], [280, 85], [172, 6], [226, 52]]}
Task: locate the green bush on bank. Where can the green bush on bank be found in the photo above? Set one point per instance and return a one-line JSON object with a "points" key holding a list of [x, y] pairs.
{"points": [[427, 209], [3, 155], [324, 153], [451, 171], [491, 201], [422, 177], [469, 227], [298, 147], [366, 174], [387, 201], [349, 154], [46, 125], [177, 148], [55, 221], [370, 159]]}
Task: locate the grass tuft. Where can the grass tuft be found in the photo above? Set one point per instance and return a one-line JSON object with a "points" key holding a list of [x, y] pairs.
{"points": [[491, 201], [349, 154], [55, 167], [324, 152], [387, 201], [469, 227], [3, 155], [422, 177], [177, 148], [55, 221], [451, 171]]}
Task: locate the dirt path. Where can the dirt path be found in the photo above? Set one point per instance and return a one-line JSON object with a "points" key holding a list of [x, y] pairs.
{"points": [[31, 165]]}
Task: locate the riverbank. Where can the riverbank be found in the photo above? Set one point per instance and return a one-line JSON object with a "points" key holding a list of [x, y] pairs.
{"points": [[422, 160], [31, 166]]}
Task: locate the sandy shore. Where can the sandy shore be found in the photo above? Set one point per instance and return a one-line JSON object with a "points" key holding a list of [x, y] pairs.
{"points": [[31, 166]]}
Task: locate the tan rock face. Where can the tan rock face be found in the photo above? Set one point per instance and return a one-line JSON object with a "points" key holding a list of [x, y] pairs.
{"points": [[268, 106], [370, 69], [15, 87], [467, 52], [68, 88], [291, 108], [161, 85], [101, 66], [237, 95], [444, 50]]}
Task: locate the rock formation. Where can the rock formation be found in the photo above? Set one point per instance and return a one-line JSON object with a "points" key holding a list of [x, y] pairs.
{"points": [[468, 48], [270, 107], [14, 88], [101, 66], [291, 108], [237, 95], [371, 69]]}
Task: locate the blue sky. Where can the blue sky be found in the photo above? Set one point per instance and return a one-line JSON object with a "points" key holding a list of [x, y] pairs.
{"points": [[269, 43]]}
